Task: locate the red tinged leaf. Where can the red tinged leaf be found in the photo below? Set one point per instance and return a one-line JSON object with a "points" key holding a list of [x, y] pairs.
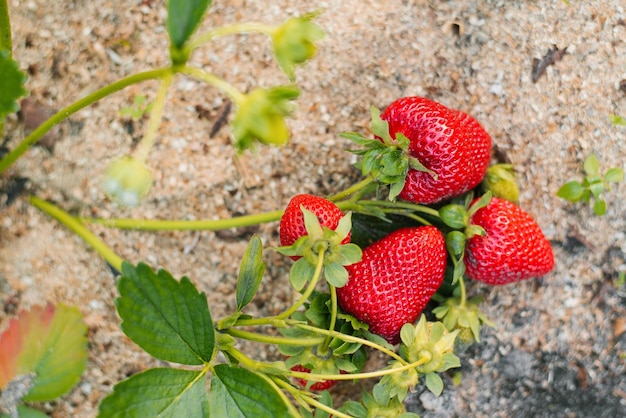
{"points": [[49, 342]]}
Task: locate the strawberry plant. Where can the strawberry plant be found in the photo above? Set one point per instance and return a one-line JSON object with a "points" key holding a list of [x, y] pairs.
{"points": [[428, 214], [592, 186]]}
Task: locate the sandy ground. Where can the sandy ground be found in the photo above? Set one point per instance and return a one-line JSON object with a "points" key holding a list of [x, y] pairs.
{"points": [[559, 344]]}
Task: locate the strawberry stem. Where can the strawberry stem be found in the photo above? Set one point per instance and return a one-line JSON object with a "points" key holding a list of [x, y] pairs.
{"points": [[425, 357], [156, 113], [463, 293], [236, 29], [403, 205], [333, 318], [79, 229], [269, 339], [66, 112], [301, 395], [347, 338], [185, 225], [309, 290], [352, 189], [235, 95]]}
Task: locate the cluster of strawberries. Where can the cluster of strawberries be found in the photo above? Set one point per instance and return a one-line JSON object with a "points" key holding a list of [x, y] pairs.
{"points": [[399, 274]]}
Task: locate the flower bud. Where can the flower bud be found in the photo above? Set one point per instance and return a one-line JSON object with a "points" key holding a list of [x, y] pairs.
{"points": [[127, 180]]}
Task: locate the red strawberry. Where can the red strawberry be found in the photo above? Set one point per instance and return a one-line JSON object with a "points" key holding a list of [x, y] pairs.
{"points": [[450, 143], [292, 221], [317, 386], [395, 279], [513, 249]]}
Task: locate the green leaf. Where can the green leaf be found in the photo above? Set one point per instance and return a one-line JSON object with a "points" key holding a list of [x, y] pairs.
{"points": [[168, 319], [240, 393], [183, 17], [614, 175], [49, 342], [571, 191], [159, 392], [434, 383], [591, 165], [11, 84], [300, 273], [336, 274], [599, 207], [250, 272], [26, 412]]}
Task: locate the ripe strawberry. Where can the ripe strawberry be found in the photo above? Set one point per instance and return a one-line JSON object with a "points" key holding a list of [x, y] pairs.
{"points": [[450, 143], [395, 279], [292, 221], [513, 249], [317, 386]]}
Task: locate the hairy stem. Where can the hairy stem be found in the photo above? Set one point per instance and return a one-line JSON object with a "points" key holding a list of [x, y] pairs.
{"points": [[66, 112], [235, 95], [79, 229], [350, 376], [156, 113], [352, 189], [300, 395], [182, 225], [236, 29], [403, 205], [269, 339], [5, 28], [348, 338], [333, 317]]}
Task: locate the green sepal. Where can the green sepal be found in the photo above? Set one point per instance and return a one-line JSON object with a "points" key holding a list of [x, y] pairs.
{"points": [[434, 383], [479, 204], [336, 275], [294, 42], [349, 254], [260, 117], [301, 272]]}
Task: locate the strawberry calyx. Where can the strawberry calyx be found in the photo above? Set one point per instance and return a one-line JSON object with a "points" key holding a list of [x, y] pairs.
{"points": [[386, 159], [501, 182], [457, 314], [321, 241], [432, 345]]}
